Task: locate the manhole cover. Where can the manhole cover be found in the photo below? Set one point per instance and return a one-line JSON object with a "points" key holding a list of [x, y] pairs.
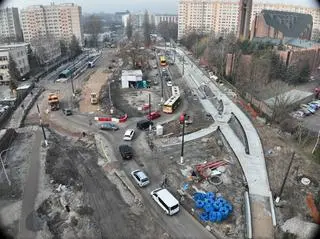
{"points": [[305, 181]]}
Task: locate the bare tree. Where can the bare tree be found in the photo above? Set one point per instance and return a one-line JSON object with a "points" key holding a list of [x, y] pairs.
{"points": [[93, 26], [14, 74], [146, 29], [129, 27]]}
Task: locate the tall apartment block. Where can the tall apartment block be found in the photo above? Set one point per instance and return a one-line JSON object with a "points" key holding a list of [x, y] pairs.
{"points": [[205, 16], [10, 28], [60, 21], [225, 16]]}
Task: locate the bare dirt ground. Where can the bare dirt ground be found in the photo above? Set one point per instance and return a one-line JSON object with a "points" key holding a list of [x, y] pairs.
{"points": [[17, 160], [94, 84], [278, 149], [81, 202], [210, 148]]}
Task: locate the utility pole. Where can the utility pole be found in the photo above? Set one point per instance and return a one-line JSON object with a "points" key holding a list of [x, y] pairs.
{"points": [[3, 167], [161, 88], [150, 127], [316, 145], [183, 122], [285, 178], [41, 124], [183, 65]]}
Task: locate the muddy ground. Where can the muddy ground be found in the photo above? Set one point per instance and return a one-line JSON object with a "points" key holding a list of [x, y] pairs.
{"points": [[278, 152], [209, 148]]}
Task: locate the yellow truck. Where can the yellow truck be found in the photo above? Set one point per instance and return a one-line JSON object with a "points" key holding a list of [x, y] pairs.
{"points": [[53, 101], [94, 98]]}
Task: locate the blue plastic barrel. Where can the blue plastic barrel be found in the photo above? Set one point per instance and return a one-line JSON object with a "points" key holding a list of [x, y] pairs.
{"points": [[204, 216], [197, 196], [208, 208], [210, 201], [229, 207], [219, 216], [221, 200], [213, 216], [199, 204], [210, 195], [224, 212], [217, 205]]}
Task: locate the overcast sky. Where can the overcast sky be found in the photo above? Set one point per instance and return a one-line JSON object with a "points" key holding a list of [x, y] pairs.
{"points": [[110, 6]]}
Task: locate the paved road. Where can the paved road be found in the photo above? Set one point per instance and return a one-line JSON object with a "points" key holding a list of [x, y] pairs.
{"points": [[253, 164], [182, 225], [30, 191]]}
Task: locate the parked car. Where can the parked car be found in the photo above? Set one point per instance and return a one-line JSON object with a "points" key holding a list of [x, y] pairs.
{"points": [[67, 111], [128, 135], [169, 83], [109, 126], [126, 151], [144, 124], [305, 111], [140, 177], [153, 115], [308, 108], [317, 102], [298, 114], [313, 106]]}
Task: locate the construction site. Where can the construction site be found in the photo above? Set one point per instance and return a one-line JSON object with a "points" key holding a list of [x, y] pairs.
{"points": [[65, 177]]}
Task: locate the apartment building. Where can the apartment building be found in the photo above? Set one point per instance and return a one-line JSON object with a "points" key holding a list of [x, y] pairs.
{"points": [[314, 12], [165, 18], [10, 28], [60, 21], [19, 54], [205, 16], [225, 16]]}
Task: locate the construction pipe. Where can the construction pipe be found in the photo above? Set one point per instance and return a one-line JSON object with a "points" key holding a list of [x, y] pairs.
{"points": [[248, 215]]}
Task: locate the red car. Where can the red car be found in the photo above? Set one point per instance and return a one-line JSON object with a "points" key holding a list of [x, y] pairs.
{"points": [[153, 115]]}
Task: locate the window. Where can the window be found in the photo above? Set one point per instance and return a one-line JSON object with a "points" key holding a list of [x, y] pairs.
{"points": [[165, 205]]}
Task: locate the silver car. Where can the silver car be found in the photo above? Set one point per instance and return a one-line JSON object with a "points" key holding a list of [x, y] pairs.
{"points": [[140, 177]]}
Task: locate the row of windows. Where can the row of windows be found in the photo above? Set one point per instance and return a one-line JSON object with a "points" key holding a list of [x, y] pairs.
{"points": [[3, 58]]}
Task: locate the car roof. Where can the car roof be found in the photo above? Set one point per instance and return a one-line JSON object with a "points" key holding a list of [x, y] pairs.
{"points": [[141, 174], [167, 196], [128, 131]]}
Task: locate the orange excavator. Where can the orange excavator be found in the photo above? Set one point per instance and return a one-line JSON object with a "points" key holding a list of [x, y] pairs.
{"points": [[53, 101]]}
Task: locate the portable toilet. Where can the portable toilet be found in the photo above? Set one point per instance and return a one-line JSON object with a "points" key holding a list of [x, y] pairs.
{"points": [[159, 130]]}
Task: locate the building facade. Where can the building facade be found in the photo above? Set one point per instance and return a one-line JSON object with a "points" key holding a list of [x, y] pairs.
{"points": [[280, 24], [314, 12], [205, 16], [225, 16], [19, 54], [10, 28], [165, 18], [61, 21]]}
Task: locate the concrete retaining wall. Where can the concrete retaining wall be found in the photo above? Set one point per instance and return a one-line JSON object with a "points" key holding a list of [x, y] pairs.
{"points": [[20, 113]]}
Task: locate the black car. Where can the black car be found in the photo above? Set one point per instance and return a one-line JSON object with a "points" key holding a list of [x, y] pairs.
{"points": [[67, 111], [126, 151], [144, 124]]}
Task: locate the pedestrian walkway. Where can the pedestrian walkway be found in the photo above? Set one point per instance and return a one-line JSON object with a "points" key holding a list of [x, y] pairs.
{"points": [[253, 164], [30, 191]]}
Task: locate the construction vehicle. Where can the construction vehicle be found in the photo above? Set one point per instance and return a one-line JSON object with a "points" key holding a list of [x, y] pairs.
{"points": [[53, 101], [94, 98]]}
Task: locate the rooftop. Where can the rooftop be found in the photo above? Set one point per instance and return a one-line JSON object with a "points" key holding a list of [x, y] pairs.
{"points": [[291, 24], [131, 73], [13, 45], [291, 97]]}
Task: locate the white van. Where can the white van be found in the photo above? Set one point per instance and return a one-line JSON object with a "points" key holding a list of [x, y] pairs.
{"points": [[165, 200]]}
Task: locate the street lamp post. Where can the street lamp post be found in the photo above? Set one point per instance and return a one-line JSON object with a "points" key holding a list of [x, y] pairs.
{"points": [[3, 167], [41, 124], [182, 121], [183, 65]]}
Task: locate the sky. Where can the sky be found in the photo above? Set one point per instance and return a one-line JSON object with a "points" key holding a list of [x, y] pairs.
{"points": [[111, 6]]}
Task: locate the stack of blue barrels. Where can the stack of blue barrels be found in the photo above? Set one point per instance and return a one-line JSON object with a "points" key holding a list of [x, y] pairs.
{"points": [[214, 209]]}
